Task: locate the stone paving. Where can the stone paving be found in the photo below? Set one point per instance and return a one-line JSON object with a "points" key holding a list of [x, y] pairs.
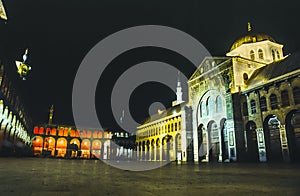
{"points": [[42, 176]]}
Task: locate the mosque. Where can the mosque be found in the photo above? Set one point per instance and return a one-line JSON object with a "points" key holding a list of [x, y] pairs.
{"points": [[244, 106]]}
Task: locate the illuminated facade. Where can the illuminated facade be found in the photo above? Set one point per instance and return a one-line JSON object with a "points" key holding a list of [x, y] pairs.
{"points": [[243, 104], [164, 136], [70, 142], [15, 132], [242, 107]]}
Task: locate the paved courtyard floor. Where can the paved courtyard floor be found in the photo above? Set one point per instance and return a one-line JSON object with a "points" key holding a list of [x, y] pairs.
{"points": [[38, 176]]}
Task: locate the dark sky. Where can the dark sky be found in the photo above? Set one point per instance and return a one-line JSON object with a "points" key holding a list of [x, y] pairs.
{"points": [[60, 33]]}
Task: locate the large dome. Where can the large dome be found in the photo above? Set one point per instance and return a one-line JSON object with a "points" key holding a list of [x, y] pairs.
{"points": [[252, 38]]}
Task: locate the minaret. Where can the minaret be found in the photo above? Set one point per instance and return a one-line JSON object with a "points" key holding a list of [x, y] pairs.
{"points": [[51, 111], [179, 90], [249, 27], [122, 117]]}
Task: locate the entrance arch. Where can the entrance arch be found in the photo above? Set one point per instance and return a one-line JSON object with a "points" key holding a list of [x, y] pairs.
{"points": [[96, 149], [158, 149], [85, 148], [166, 148], [61, 147], [272, 138], [252, 148], [213, 141], [224, 139], [147, 151], [143, 150], [201, 148], [152, 150], [178, 150], [293, 134], [73, 147], [37, 145]]}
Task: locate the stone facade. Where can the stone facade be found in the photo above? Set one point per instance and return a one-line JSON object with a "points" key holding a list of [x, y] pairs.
{"points": [[242, 107], [15, 123], [58, 141]]}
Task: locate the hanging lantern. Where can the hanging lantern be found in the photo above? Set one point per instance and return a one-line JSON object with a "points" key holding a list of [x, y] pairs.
{"points": [[22, 67]]}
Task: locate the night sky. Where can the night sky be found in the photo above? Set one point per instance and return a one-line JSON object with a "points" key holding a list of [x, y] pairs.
{"points": [[60, 33]]}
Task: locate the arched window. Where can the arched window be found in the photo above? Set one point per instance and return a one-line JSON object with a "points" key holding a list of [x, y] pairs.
{"points": [[253, 106], [252, 56], [273, 101], [206, 107], [296, 93], [278, 54], [285, 98], [260, 54], [273, 55], [219, 104], [263, 104], [210, 106], [203, 111]]}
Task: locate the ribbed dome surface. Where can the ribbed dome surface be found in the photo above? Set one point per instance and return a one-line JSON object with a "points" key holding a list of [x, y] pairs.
{"points": [[252, 38]]}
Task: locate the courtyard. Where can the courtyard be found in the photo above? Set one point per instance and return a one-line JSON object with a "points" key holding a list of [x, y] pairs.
{"points": [[45, 176]]}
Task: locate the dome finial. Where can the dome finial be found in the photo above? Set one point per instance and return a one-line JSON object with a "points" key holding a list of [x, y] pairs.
{"points": [[249, 26]]}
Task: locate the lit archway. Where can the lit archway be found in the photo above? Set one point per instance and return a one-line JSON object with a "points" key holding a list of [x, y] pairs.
{"points": [[75, 141], [158, 149], [37, 145], [143, 150], [166, 148], [147, 157], [96, 149], [73, 147], [61, 147], [152, 150], [49, 145], [85, 148]]}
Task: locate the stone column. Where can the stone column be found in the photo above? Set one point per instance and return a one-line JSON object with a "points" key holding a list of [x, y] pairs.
{"points": [[150, 152], [284, 144], [195, 135], [261, 145], [154, 154], [160, 151], [146, 152], [220, 145]]}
